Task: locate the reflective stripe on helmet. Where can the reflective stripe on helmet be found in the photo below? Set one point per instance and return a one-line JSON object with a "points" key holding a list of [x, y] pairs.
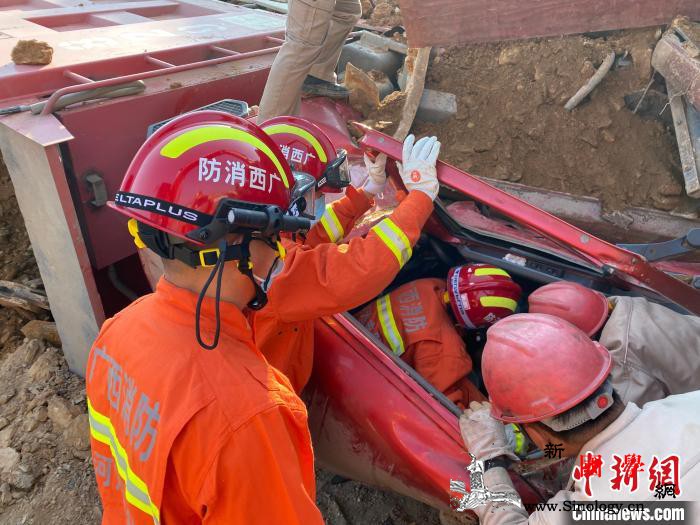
{"points": [[389, 328], [498, 302], [490, 271], [135, 489], [395, 240], [462, 307], [194, 137], [331, 224], [276, 129]]}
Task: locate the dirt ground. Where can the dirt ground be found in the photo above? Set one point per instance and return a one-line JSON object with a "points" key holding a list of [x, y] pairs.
{"points": [[511, 123]]}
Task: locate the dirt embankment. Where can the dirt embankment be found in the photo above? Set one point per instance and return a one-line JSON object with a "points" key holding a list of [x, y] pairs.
{"points": [[511, 122]]}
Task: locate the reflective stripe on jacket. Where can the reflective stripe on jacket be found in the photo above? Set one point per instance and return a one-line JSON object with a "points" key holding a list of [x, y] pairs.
{"points": [[321, 278], [414, 322], [180, 434]]}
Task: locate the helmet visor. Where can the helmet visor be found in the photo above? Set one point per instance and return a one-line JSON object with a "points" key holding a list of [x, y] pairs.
{"points": [[337, 173], [303, 202]]}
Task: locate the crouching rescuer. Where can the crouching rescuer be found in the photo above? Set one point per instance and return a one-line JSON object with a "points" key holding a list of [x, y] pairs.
{"points": [[550, 377], [188, 422], [421, 321]]}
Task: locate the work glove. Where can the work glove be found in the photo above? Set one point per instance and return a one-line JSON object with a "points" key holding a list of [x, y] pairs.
{"points": [[484, 436], [418, 171], [377, 174]]}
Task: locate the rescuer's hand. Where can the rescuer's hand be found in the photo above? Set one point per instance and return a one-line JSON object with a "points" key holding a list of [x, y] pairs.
{"points": [[418, 171], [377, 174], [484, 436]]}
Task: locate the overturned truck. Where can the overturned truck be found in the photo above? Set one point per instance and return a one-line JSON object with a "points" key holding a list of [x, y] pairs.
{"points": [[372, 417]]}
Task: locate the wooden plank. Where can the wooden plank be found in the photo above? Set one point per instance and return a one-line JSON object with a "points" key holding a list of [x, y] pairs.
{"points": [[15, 295], [451, 22]]}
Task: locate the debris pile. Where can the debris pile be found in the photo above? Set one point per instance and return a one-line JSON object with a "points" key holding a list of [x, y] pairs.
{"points": [[499, 110], [45, 467], [511, 123]]}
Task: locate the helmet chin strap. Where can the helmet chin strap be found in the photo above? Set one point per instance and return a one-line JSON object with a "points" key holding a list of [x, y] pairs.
{"points": [[240, 252]]}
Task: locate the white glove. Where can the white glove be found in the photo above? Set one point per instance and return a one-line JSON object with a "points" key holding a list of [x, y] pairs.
{"points": [[377, 174], [484, 436], [418, 171]]}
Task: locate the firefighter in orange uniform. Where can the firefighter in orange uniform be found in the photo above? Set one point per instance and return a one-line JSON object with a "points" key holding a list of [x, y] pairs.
{"points": [[415, 322], [330, 278], [188, 422]]}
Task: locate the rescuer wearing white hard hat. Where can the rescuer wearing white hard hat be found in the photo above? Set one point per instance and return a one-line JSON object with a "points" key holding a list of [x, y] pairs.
{"points": [[655, 351], [547, 375]]}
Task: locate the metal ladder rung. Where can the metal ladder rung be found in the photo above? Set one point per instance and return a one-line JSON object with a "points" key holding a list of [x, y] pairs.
{"points": [[158, 62], [224, 51], [80, 79]]}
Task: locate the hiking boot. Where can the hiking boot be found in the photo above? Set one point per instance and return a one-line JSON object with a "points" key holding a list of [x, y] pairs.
{"points": [[322, 88]]}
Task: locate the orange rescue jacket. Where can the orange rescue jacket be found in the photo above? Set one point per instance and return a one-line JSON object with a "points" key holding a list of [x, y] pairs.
{"points": [[322, 278], [414, 323], [183, 435]]}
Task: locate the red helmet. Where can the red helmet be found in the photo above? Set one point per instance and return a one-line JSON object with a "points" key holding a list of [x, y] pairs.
{"points": [[536, 366], [581, 306], [481, 294], [308, 149], [179, 177]]}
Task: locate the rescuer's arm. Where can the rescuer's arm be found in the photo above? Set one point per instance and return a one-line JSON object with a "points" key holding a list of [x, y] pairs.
{"points": [[264, 473], [634, 333], [485, 438], [340, 217], [443, 364], [330, 278]]}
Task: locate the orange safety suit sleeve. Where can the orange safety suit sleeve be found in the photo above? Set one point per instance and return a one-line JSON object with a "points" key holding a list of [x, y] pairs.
{"points": [[444, 364], [339, 217], [263, 474], [331, 278]]}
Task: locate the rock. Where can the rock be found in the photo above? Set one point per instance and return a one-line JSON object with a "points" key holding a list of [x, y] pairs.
{"points": [[5, 494], [45, 330], [31, 421], [382, 10], [22, 478], [7, 392], [607, 136], [436, 106], [366, 8], [671, 189], [60, 412], [642, 62], [617, 103], [29, 351], [589, 137], [6, 436], [9, 458], [77, 435], [32, 52], [664, 203], [500, 173], [364, 93], [44, 367], [4, 422], [509, 56]]}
